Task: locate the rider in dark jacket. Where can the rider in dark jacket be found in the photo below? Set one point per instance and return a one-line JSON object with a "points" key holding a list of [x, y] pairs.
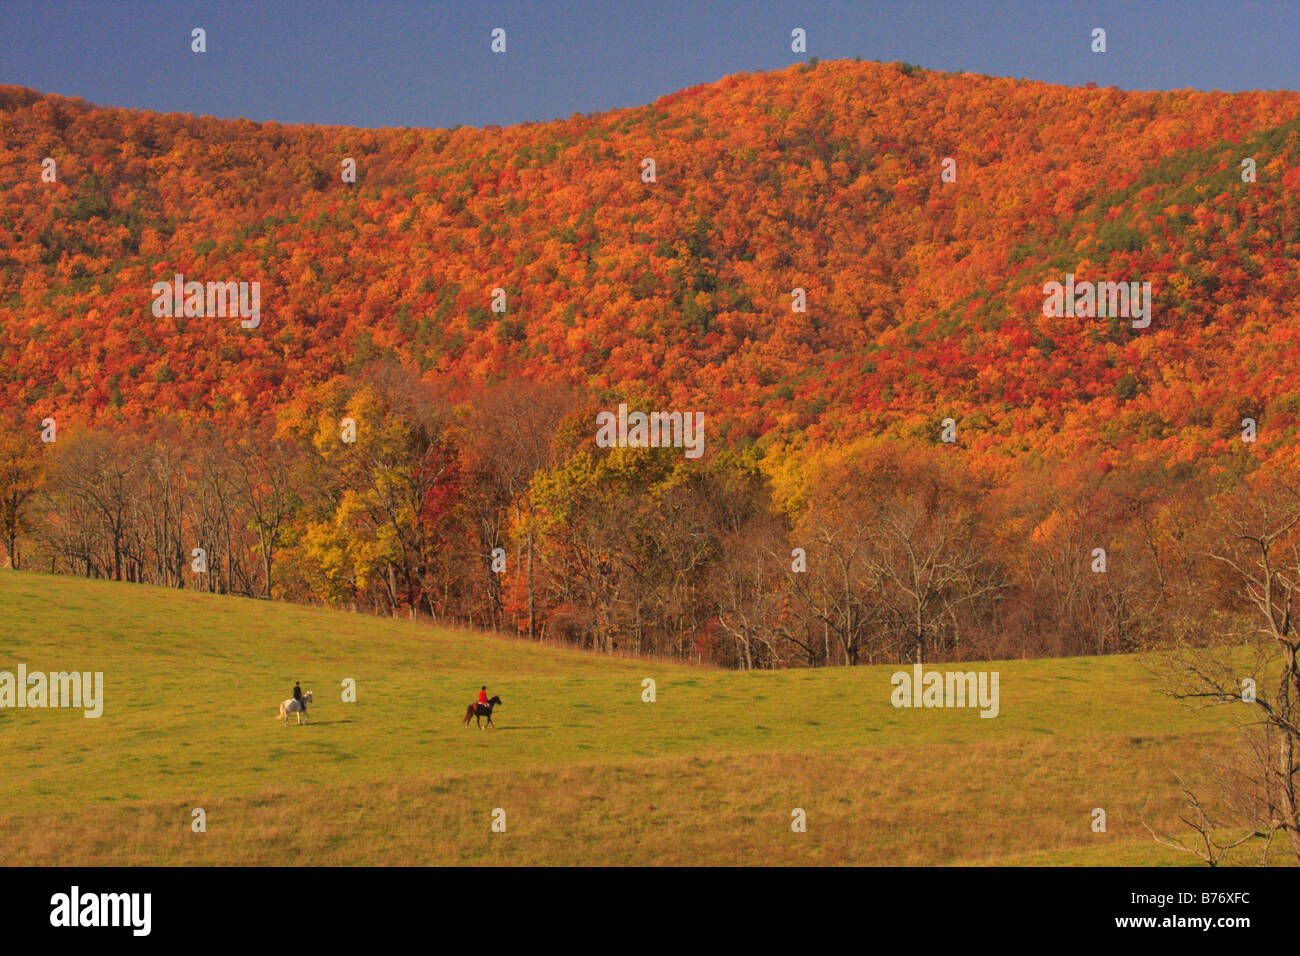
{"points": [[297, 695]]}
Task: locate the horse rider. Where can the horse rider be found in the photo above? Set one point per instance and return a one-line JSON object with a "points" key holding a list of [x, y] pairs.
{"points": [[482, 697], [297, 695]]}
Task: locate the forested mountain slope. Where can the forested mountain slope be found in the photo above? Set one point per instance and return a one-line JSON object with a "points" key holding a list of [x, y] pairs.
{"points": [[924, 296]]}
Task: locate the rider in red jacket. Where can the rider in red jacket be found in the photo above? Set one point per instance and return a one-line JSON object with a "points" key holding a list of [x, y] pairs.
{"points": [[482, 696]]}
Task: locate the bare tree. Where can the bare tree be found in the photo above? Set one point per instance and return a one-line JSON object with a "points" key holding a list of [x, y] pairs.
{"points": [[510, 440], [1233, 659], [98, 470], [896, 551], [264, 471], [1207, 845], [748, 590]]}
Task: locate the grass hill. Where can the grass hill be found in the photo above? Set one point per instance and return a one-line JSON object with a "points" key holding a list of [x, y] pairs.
{"points": [[585, 770]]}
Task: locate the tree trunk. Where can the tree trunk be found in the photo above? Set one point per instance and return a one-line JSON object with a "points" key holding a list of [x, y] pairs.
{"points": [[532, 603]]}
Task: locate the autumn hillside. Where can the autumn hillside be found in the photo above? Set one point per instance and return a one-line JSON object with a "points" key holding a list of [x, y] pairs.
{"points": [[924, 297], [925, 465]]}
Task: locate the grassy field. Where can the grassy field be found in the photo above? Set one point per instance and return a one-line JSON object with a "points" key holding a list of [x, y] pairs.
{"points": [[585, 771]]}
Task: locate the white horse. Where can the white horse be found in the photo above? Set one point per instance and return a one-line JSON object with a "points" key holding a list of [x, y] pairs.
{"points": [[292, 706]]}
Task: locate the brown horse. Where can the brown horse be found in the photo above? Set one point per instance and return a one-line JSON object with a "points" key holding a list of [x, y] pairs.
{"points": [[478, 711]]}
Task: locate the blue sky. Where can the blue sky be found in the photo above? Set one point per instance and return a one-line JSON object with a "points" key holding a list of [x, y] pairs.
{"points": [[411, 63]]}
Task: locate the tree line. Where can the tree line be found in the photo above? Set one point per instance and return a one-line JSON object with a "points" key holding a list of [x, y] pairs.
{"points": [[497, 510]]}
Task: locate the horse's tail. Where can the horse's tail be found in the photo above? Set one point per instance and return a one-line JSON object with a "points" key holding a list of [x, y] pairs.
{"points": [[281, 715]]}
